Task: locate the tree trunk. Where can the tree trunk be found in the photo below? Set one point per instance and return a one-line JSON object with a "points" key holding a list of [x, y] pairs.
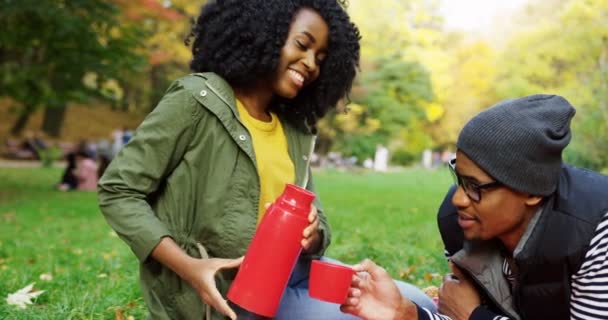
{"points": [[22, 120], [53, 120]]}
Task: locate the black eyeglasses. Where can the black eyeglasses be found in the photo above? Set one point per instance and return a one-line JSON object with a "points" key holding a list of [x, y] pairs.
{"points": [[471, 189]]}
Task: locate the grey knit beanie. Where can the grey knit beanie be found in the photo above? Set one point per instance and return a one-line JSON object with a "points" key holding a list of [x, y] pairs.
{"points": [[519, 142]]}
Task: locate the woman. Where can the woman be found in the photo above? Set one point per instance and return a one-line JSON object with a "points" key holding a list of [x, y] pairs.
{"points": [[188, 190]]}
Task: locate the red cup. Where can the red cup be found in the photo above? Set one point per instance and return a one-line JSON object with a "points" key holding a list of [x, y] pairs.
{"points": [[329, 282]]}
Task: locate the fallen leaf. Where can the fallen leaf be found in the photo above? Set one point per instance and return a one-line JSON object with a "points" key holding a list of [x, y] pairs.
{"points": [[118, 315], [431, 291], [23, 296], [46, 277], [407, 272], [431, 276], [9, 216]]}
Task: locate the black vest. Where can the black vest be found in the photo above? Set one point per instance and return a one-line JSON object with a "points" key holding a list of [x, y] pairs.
{"points": [[555, 249]]}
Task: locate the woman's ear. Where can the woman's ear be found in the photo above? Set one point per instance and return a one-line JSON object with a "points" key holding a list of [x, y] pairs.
{"points": [[533, 200]]}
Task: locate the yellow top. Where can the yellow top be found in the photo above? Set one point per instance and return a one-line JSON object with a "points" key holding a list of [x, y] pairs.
{"points": [[275, 167]]}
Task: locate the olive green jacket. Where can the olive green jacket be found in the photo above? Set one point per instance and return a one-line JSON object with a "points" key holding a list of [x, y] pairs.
{"points": [[190, 173]]}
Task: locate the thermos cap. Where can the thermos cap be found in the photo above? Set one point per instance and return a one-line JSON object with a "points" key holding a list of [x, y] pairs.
{"points": [[297, 199]]}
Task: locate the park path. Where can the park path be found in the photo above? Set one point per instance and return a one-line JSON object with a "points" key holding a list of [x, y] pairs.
{"points": [[5, 163]]}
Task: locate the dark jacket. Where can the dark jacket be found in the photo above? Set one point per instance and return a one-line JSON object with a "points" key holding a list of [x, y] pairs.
{"points": [[552, 253]]}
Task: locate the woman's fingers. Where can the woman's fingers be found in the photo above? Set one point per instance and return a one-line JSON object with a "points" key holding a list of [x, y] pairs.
{"points": [[229, 263], [312, 216], [217, 302]]}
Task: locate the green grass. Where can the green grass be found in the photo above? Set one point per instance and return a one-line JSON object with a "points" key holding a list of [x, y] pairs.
{"points": [[389, 218]]}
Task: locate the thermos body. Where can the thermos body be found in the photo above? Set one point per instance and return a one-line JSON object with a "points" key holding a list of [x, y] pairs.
{"points": [[272, 253]]}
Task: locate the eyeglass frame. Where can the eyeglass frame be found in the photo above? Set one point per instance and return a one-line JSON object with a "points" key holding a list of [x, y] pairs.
{"points": [[466, 184]]}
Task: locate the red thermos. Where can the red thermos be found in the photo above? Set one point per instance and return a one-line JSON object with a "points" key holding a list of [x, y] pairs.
{"points": [[272, 254]]}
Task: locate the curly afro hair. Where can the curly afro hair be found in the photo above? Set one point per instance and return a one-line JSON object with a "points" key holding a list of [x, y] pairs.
{"points": [[241, 41]]}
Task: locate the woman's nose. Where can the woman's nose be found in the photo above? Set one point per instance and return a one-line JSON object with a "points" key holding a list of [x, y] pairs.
{"points": [[310, 61]]}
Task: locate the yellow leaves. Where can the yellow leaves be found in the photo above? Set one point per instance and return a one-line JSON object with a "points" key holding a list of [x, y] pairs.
{"points": [[434, 111], [431, 291], [120, 312], [351, 121], [119, 315], [90, 80], [111, 88], [430, 276], [407, 272]]}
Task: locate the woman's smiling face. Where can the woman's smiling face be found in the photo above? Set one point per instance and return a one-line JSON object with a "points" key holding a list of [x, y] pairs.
{"points": [[302, 53]]}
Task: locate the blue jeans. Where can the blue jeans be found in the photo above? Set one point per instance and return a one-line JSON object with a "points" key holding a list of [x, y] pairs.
{"points": [[297, 305]]}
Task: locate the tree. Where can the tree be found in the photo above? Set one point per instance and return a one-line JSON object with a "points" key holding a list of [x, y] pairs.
{"points": [[566, 54], [393, 90], [395, 95], [48, 47], [167, 25]]}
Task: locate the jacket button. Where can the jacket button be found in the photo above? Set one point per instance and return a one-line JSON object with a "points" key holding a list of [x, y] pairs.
{"points": [[305, 158], [203, 93], [242, 137]]}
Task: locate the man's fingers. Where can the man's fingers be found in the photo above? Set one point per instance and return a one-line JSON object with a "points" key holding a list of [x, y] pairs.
{"points": [[354, 293], [458, 274], [370, 267]]}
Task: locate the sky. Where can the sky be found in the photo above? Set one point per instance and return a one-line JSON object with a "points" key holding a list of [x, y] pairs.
{"points": [[476, 15]]}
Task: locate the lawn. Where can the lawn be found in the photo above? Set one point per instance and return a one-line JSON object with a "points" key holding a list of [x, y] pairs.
{"points": [[389, 218]]}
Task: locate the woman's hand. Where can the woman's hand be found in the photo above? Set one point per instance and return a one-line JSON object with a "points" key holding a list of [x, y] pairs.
{"points": [[374, 295], [202, 278], [311, 239], [199, 273]]}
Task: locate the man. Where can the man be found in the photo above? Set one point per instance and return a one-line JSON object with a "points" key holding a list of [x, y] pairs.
{"points": [[525, 233]]}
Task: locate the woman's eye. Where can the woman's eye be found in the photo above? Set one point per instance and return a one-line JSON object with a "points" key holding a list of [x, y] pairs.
{"points": [[300, 45]]}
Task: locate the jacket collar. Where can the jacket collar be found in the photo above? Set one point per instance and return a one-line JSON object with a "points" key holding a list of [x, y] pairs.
{"points": [[217, 94], [483, 262]]}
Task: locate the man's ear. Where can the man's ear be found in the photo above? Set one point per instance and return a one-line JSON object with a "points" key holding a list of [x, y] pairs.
{"points": [[533, 200]]}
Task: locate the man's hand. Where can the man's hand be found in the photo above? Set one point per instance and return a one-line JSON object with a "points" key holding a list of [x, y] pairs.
{"points": [[374, 295], [458, 297]]}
